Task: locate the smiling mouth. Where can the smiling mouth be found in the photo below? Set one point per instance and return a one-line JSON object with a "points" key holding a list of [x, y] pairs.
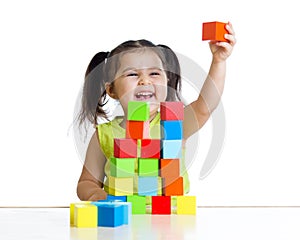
{"points": [[144, 95]]}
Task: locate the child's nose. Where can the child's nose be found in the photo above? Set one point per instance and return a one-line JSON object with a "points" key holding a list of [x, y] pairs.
{"points": [[144, 80]]}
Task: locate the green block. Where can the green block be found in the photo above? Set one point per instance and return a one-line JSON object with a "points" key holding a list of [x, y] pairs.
{"points": [[138, 111], [148, 167], [138, 204], [122, 167]]}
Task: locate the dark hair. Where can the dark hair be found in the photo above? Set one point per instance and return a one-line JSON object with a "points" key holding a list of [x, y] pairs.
{"points": [[103, 67]]}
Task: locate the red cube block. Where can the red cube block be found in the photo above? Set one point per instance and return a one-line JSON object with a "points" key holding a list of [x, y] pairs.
{"points": [[171, 111], [214, 31], [137, 129], [125, 148], [150, 148], [161, 205]]}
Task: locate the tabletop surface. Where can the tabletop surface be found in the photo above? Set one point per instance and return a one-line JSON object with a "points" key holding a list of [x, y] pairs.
{"points": [[209, 223]]}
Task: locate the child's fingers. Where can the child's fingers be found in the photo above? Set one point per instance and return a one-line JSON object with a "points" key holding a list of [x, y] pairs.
{"points": [[229, 28], [230, 38]]}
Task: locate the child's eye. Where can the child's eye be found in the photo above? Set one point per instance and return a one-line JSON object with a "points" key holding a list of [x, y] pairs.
{"points": [[155, 73], [131, 75]]}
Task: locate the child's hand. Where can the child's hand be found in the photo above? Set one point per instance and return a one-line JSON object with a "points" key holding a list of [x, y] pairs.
{"points": [[99, 194], [222, 50]]}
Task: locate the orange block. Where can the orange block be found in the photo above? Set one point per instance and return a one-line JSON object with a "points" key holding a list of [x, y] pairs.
{"points": [[173, 187], [169, 168], [214, 31], [137, 129]]}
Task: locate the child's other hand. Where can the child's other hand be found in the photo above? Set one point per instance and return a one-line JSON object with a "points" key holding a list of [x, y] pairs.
{"points": [[222, 50], [99, 194]]}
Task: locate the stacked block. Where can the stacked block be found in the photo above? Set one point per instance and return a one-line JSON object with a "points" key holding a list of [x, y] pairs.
{"points": [[214, 31]]}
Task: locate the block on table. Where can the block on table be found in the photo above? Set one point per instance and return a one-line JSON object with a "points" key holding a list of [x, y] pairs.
{"points": [[120, 186], [137, 129], [150, 148], [186, 205], [171, 149], [85, 215], [138, 204], [138, 111], [147, 186], [148, 167], [122, 167], [125, 148], [161, 205]]}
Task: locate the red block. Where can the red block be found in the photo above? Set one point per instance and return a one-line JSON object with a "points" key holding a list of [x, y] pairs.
{"points": [[150, 148], [169, 168], [214, 31], [171, 111], [161, 205], [137, 129], [125, 148], [173, 187]]}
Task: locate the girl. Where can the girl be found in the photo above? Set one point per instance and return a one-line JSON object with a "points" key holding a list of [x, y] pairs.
{"points": [[141, 71]]}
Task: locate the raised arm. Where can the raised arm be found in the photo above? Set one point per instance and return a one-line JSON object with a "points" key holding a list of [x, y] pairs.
{"points": [[199, 111], [90, 184]]}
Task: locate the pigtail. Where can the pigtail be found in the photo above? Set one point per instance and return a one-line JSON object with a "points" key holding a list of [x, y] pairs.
{"points": [[173, 73], [94, 94]]}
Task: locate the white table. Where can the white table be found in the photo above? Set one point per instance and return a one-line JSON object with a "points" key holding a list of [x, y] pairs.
{"points": [[209, 223]]}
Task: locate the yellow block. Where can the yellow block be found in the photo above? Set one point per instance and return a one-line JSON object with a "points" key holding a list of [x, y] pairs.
{"points": [[120, 186], [72, 207], [186, 205], [85, 215]]}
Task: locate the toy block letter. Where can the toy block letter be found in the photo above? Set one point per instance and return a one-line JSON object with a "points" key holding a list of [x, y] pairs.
{"points": [[173, 187], [138, 111], [120, 186], [122, 167], [147, 186], [171, 149], [214, 31], [125, 148], [186, 205], [171, 130], [161, 205], [148, 167], [137, 129], [170, 168], [150, 148], [85, 215], [171, 111]]}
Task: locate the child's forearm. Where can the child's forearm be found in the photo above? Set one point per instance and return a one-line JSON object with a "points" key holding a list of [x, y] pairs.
{"points": [[90, 191], [213, 86]]}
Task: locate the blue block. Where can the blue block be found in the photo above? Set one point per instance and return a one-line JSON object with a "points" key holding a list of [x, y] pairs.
{"points": [[147, 186], [171, 130], [112, 198], [171, 149]]}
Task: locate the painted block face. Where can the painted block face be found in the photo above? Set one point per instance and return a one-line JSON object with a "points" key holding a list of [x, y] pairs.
{"points": [[173, 187], [161, 205], [214, 31], [138, 111], [120, 186], [171, 111], [171, 149], [125, 148], [72, 210], [138, 204], [150, 148], [110, 215], [137, 129], [85, 215], [169, 168], [122, 167], [186, 205], [171, 130], [148, 167], [147, 186]]}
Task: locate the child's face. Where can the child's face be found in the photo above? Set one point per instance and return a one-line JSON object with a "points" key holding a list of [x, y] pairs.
{"points": [[140, 77]]}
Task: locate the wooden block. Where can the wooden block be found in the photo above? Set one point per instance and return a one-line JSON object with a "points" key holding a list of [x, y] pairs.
{"points": [[171, 111], [138, 111], [161, 205], [120, 186], [85, 215], [171, 130], [147, 186], [148, 167], [137, 129], [150, 148], [138, 204], [173, 187], [171, 149], [169, 168], [72, 209], [186, 205], [125, 148], [122, 167], [214, 31]]}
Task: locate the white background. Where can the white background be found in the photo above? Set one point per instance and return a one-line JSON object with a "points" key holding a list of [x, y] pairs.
{"points": [[44, 51]]}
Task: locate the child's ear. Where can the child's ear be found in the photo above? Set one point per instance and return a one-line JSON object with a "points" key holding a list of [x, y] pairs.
{"points": [[109, 88]]}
